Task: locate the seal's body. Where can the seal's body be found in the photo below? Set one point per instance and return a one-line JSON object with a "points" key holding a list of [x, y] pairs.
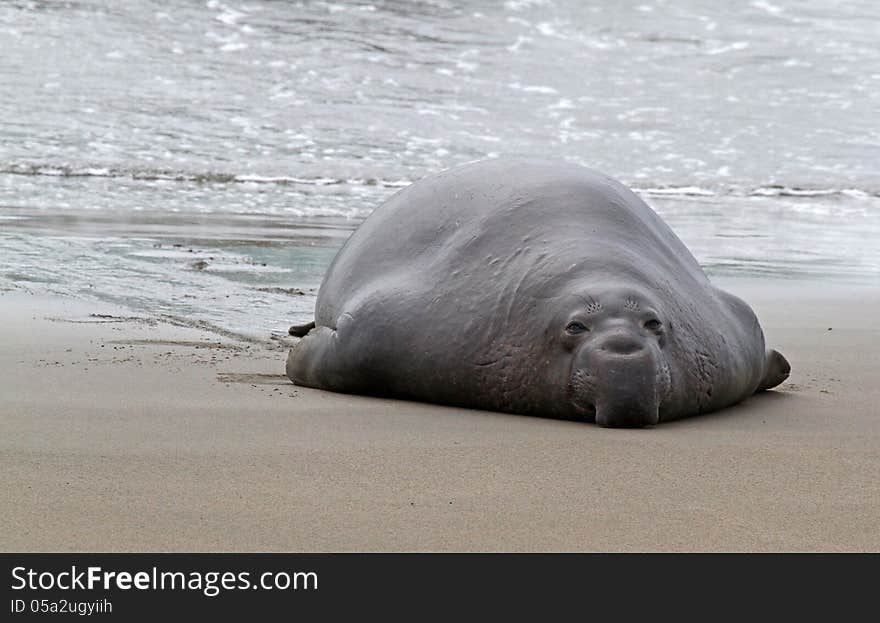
{"points": [[532, 287]]}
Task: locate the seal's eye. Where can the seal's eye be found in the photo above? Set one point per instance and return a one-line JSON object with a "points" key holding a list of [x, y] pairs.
{"points": [[653, 324], [575, 327]]}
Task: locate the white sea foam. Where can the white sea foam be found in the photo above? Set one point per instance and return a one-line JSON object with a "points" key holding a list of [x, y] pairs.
{"points": [[532, 88], [724, 49], [766, 6], [521, 40], [676, 190], [784, 191]]}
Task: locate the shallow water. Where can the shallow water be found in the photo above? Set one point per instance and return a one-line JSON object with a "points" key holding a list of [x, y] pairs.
{"points": [[257, 135]]}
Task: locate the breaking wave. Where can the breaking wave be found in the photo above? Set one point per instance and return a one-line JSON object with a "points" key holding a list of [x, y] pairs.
{"points": [[214, 177]]}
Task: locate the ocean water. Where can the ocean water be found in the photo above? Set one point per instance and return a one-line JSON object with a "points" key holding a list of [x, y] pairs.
{"points": [[203, 161]]}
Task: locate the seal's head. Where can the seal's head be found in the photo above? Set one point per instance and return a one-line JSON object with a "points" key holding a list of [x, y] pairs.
{"points": [[614, 337]]}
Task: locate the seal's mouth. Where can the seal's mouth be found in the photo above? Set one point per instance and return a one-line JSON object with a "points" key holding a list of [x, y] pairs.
{"points": [[627, 413], [586, 411], [624, 392]]}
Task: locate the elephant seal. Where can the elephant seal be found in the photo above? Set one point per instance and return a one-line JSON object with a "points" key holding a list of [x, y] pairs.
{"points": [[533, 287]]}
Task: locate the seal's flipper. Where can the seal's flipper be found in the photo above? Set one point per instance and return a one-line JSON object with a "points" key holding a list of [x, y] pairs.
{"points": [[776, 370], [319, 361], [313, 359], [301, 330]]}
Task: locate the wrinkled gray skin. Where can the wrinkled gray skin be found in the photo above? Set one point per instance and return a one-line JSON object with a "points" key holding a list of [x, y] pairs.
{"points": [[533, 287]]}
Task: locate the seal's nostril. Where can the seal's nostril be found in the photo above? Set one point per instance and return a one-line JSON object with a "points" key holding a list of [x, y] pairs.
{"points": [[622, 345]]}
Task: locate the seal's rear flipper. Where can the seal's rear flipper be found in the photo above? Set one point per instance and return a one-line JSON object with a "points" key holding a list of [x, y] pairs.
{"points": [[301, 330], [776, 370]]}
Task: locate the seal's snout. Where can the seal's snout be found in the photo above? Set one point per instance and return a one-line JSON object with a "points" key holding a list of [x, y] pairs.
{"points": [[627, 393], [624, 377]]}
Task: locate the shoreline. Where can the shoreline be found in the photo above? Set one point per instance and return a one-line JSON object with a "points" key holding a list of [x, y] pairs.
{"points": [[129, 435]]}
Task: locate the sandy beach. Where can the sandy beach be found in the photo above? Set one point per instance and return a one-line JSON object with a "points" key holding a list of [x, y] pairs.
{"points": [[121, 434]]}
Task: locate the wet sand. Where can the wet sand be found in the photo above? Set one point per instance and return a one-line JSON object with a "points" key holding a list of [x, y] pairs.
{"points": [[123, 435]]}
